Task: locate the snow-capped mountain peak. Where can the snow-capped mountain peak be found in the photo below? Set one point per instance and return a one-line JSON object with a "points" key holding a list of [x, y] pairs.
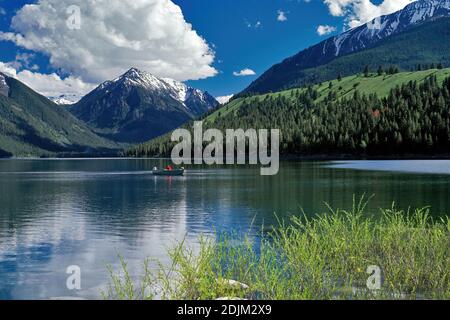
{"points": [[166, 86], [424, 9], [138, 106], [140, 78], [224, 99], [65, 99], [293, 70], [368, 34]]}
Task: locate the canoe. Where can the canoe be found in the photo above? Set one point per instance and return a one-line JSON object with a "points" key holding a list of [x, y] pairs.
{"points": [[170, 173]]}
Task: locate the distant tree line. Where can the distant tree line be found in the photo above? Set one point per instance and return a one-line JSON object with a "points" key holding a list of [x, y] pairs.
{"points": [[421, 67], [413, 118], [394, 69]]}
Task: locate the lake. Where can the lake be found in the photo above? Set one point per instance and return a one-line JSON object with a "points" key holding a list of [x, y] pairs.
{"points": [[58, 213]]}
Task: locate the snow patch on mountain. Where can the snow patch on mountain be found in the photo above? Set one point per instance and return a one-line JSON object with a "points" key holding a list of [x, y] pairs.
{"points": [[4, 88], [135, 77], [66, 99], [289, 72], [179, 89], [224, 99], [368, 34], [192, 99]]}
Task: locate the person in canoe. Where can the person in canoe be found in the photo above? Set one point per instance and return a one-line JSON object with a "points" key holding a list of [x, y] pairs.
{"points": [[168, 171]]}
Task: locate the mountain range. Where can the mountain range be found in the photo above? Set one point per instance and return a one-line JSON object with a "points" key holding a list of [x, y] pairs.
{"points": [[31, 125], [138, 106], [132, 108], [363, 115], [379, 34]]}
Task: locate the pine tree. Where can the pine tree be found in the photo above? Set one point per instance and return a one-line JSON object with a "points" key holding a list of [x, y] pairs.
{"points": [[413, 118], [380, 71], [366, 71]]}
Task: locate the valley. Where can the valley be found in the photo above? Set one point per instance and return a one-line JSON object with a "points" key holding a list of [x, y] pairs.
{"points": [[133, 108], [33, 126], [224, 150], [374, 90]]}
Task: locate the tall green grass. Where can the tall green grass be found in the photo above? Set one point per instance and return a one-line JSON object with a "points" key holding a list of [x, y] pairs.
{"points": [[325, 257]]}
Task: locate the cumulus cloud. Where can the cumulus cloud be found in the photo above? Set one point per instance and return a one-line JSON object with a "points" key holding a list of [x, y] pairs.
{"points": [[49, 85], [358, 12], [325, 29], [113, 35], [244, 73], [24, 60], [281, 16]]}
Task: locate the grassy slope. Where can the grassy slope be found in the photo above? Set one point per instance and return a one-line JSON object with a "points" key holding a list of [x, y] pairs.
{"points": [[380, 85], [424, 44]]}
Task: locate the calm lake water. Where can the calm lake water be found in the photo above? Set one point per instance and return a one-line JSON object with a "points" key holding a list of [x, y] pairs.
{"points": [[58, 213]]}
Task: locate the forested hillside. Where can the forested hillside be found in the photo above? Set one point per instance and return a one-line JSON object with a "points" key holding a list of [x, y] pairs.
{"points": [[32, 125], [428, 42], [345, 116]]}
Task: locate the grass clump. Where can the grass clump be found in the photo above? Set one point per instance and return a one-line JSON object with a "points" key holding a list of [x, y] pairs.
{"points": [[326, 257]]}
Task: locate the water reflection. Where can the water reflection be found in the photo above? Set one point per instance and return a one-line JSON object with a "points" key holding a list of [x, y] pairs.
{"points": [[84, 212]]}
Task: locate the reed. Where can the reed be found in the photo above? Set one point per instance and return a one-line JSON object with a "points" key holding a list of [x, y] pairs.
{"points": [[325, 257]]}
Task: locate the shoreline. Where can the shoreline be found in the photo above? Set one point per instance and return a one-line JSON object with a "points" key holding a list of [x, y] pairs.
{"points": [[291, 157], [336, 255], [330, 157]]}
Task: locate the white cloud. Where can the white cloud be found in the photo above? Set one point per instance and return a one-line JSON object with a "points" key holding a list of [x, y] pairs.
{"points": [[2, 11], [50, 85], [325, 29], [224, 99], [358, 12], [115, 35], [244, 73], [281, 16], [250, 25], [24, 60]]}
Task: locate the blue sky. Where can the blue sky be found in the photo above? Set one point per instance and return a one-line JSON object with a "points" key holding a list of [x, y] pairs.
{"points": [[238, 46], [244, 34]]}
